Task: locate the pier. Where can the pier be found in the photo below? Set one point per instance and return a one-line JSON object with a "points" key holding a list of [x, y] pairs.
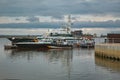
{"points": [[108, 50]]}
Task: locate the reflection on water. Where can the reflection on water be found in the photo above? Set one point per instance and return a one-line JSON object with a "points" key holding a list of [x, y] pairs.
{"points": [[55, 64], [48, 61], [108, 64], [56, 59], [52, 55]]}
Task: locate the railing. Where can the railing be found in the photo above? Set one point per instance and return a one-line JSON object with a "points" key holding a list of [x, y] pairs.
{"points": [[112, 40]]}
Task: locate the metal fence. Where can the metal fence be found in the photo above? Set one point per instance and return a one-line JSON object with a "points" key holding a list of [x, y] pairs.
{"points": [[112, 40]]}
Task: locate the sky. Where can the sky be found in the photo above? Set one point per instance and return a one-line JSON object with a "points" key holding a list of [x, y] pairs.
{"points": [[27, 11]]}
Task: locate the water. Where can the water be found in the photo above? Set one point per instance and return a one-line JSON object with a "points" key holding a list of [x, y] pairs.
{"points": [[75, 64]]}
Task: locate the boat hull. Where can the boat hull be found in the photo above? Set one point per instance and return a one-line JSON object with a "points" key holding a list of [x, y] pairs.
{"points": [[33, 45], [60, 46], [87, 46]]}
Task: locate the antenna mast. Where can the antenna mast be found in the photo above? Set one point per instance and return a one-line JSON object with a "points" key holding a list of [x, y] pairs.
{"points": [[69, 24]]}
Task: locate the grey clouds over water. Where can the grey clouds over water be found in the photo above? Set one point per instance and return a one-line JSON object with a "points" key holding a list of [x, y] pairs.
{"points": [[57, 8], [86, 13]]}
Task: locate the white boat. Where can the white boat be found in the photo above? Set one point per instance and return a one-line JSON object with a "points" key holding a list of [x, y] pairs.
{"points": [[87, 43], [45, 43]]}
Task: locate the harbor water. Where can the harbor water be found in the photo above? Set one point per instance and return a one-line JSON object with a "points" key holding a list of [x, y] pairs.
{"points": [[55, 64]]}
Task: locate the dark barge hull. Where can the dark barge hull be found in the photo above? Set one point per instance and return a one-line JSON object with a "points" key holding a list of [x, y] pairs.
{"points": [[16, 40], [42, 46], [32, 46]]}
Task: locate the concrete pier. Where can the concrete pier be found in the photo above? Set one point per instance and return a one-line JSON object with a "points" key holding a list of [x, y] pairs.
{"points": [[108, 50]]}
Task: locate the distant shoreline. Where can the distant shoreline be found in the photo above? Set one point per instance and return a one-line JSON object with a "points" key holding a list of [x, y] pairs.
{"points": [[41, 31]]}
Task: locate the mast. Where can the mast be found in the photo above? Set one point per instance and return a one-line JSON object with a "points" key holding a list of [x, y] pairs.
{"points": [[69, 24]]}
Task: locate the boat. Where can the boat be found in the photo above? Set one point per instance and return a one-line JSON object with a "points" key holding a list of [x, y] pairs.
{"points": [[60, 43], [87, 43], [46, 43], [65, 33], [60, 38], [41, 44]]}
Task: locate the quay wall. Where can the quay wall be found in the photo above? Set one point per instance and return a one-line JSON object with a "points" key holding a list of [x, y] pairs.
{"points": [[108, 50]]}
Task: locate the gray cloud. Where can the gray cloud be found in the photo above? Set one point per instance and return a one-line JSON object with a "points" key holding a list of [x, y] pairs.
{"points": [[33, 19], [57, 8]]}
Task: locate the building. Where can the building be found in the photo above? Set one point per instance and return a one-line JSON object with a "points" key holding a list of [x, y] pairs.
{"points": [[77, 33], [113, 37]]}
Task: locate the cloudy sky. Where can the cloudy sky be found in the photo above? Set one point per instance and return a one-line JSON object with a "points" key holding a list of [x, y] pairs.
{"points": [[25, 11]]}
